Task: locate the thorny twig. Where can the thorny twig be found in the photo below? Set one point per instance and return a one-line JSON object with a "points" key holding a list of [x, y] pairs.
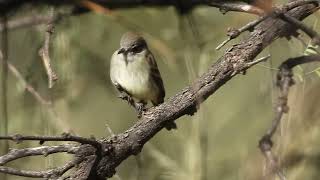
{"points": [[284, 81]]}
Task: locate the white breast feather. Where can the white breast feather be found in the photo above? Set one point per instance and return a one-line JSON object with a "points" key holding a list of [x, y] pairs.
{"points": [[134, 77]]}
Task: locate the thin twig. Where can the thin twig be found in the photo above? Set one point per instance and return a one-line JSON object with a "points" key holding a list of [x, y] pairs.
{"points": [[25, 84], [65, 137], [284, 81], [14, 154], [54, 173], [259, 60], [43, 101], [224, 7], [308, 30], [44, 54], [234, 33], [27, 22], [109, 130]]}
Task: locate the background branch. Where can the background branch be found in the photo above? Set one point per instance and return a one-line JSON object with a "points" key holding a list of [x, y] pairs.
{"points": [[44, 52], [308, 30], [284, 81]]}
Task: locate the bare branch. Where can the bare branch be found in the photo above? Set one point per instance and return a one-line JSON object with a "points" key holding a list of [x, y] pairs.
{"points": [[235, 61], [65, 137], [25, 84], [308, 30], [284, 81], [44, 53], [27, 21], [51, 173], [14, 154], [234, 33], [237, 6], [259, 60]]}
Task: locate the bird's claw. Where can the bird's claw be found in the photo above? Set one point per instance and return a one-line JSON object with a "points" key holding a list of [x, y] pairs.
{"points": [[127, 98], [123, 97], [140, 108]]}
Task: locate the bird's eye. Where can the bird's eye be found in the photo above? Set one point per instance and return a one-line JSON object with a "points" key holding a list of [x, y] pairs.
{"points": [[136, 49]]}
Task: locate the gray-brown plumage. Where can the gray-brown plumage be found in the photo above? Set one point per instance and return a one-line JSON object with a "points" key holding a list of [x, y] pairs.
{"points": [[134, 71]]}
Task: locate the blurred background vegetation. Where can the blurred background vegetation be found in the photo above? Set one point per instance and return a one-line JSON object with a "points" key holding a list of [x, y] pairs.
{"points": [[219, 142]]}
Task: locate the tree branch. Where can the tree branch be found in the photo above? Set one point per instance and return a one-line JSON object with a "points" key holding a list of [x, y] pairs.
{"points": [[224, 7], [33, 20], [284, 81], [43, 150], [236, 60], [48, 174], [65, 137], [44, 52], [278, 11], [309, 31]]}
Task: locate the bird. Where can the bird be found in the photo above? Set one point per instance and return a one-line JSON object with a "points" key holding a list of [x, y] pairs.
{"points": [[135, 74]]}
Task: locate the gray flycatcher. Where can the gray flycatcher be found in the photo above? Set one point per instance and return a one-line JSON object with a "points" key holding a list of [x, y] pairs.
{"points": [[135, 74]]}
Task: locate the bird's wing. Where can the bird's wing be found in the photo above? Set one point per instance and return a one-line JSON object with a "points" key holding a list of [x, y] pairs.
{"points": [[156, 77]]}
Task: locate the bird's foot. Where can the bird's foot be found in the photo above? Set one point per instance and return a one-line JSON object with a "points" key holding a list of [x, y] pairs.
{"points": [[140, 108], [128, 98]]}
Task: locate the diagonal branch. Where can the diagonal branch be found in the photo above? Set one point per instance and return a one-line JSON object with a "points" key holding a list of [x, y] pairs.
{"points": [[236, 60], [278, 11], [25, 84], [309, 31]]}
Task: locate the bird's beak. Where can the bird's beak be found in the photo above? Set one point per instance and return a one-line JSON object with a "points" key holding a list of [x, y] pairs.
{"points": [[124, 52]]}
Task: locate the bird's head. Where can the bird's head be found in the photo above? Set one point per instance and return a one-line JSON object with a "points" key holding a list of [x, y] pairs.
{"points": [[132, 43]]}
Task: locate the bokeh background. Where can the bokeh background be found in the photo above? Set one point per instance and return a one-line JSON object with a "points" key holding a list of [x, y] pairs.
{"points": [[219, 142]]}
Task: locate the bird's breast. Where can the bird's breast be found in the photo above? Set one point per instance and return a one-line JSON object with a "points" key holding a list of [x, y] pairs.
{"points": [[134, 77]]}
